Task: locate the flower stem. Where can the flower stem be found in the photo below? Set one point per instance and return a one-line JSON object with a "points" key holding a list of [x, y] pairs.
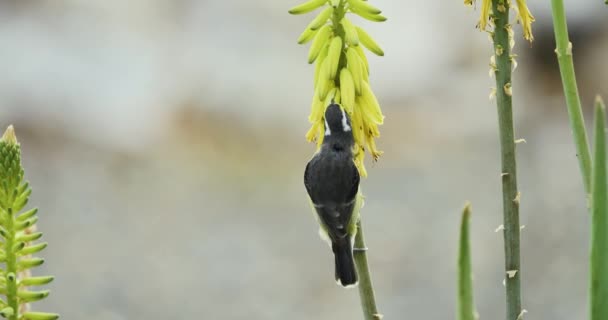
{"points": [[11, 265], [366, 289], [573, 102], [510, 193]]}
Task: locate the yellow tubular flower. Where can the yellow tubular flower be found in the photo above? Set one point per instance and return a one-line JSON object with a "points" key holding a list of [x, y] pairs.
{"points": [[525, 17], [356, 120], [316, 110], [486, 6], [359, 156], [315, 118], [371, 145]]}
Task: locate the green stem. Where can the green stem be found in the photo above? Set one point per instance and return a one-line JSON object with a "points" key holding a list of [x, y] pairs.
{"points": [[11, 266], [573, 102], [366, 289], [510, 194], [339, 13]]}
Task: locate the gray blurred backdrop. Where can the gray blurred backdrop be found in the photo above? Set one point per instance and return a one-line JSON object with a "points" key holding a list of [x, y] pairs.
{"points": [[165, 143]]}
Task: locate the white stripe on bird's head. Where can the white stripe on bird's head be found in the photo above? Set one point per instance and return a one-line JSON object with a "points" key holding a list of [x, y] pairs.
{"points": [[345, 126]]}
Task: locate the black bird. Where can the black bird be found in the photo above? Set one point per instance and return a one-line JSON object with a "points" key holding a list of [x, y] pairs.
{"points": [[332, 181]]}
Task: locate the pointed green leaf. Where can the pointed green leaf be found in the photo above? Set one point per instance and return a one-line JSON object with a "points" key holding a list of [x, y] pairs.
{"points": [[599, 221], [466, 308]]}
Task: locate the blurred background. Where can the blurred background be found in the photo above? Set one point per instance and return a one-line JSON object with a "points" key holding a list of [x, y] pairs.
{"points": [[165, 143]]}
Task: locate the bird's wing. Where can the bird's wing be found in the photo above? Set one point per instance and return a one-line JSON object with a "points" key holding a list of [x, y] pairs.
{"points": [[336, 216], [354, 188], [307, 182], [339, 219]]}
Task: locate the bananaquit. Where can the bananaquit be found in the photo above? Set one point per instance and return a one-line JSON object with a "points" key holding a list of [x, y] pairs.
{"points": [[332, 181]]}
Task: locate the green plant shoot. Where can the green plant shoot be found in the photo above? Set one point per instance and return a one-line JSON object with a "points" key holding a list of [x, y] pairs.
{"points": [[19, 236], [466, 306], [598, 286]]}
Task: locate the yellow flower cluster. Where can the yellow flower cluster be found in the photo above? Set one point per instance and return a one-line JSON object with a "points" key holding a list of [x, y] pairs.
{"points": [[524, 16], [342, 71]]}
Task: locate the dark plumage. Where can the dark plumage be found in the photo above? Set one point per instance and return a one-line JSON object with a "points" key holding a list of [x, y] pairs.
{"points": [[332, 181]]}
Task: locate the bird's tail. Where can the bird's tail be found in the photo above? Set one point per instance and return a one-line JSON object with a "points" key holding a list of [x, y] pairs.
{"points": [[346, 274]]}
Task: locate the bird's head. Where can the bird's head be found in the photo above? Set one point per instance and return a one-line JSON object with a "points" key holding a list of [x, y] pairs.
{"points": [[338, 130], [337, 121]]}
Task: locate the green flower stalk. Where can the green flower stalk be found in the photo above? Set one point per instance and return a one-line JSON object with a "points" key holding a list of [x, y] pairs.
{"points": [[342, 71], [573, 101], [17, 229], [495, 16]]}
